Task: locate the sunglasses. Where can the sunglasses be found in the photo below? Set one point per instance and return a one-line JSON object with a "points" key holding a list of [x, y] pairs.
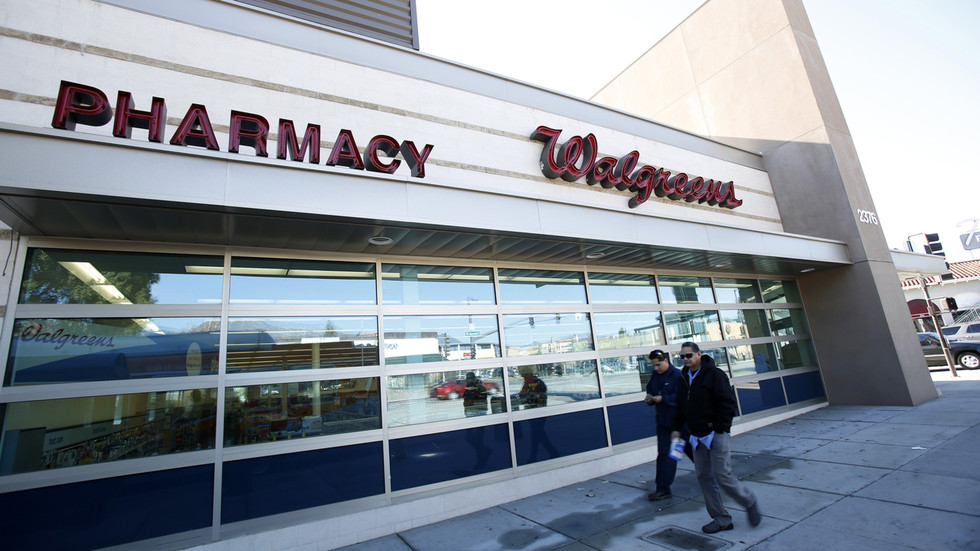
{"points": [[687, 356]]}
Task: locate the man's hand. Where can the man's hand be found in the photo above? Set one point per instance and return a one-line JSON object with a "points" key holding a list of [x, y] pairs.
{"points": [[675, 434]]}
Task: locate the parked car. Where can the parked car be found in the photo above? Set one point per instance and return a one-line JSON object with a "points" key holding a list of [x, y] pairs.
{"points": [[962, 332], [964, 353], [450, 390]]}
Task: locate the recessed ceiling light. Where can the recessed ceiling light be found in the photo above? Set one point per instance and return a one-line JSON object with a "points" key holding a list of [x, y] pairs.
{"points": [[723, 264], [595, 255], [805, 270], [381, 240]]}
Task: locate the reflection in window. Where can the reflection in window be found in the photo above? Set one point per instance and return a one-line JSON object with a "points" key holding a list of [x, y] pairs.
{"points": [[796, 354], [780, 291], [788, 322], [541, 287], [752, 359], [59, 276], [279, 281], [272, 344], [283, 411], [625, 374], [533, 334], [622, 289], [535, 386], [413, 339], [51, 434], [428, 397], [744, 324], [628, 329], [410, 284], [737, 290], [717, 355], [685, 290], [692, 325], [103, 349]]}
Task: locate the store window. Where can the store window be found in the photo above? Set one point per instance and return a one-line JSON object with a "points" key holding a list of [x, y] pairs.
{"points": [[744, 324], [552, 384], [780, 291], [625, 374], [427, 397], [717, 355], [423, 285], [796, 354], [628, 329], [752, 359], [738, 291], [541, 287], [685, 290], [70, 350], [62, 276], [559, 333], [274, 344], [284, 411], [289, 282], [622, 288], [692, 325], [51, 434], [419, 339], [788, 322]]}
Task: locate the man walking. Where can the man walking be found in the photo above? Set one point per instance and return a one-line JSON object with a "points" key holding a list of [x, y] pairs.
{"points": [[662, 394], [706, 403]]}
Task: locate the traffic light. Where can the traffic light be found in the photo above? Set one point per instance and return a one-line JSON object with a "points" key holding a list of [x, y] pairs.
{"points": [[951, 304], [933, 246]]}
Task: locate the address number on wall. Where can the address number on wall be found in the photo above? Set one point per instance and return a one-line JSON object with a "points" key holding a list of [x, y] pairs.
{"points": [[867, 217]]}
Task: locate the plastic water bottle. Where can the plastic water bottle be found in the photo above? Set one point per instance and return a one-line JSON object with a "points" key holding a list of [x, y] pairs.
{"points": [[676, 449]]}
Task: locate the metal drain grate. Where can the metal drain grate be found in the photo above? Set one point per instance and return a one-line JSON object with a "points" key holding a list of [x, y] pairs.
{"points": [[685, 540]]}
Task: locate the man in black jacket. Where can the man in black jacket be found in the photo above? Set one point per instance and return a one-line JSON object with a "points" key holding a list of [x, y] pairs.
{"points": [[706, 403]]}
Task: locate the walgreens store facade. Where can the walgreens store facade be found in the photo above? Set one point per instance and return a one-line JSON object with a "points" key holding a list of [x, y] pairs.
{"points": [[248, 280]]}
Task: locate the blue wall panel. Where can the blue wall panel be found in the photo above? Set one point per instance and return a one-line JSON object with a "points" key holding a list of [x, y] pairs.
{"points": [[112, 511], [550, 437], [767, 394], [634, 421], [432, 458], [804, 386], [280, 483]]}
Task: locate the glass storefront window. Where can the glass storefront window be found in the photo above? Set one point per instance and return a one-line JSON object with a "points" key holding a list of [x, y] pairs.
{"points": [[622, 288], [744, 324], [416, 285], [71, 350], [535, 386], [737, 290], [279, 281], [628, 329], [428, 397], [692, 325], [685, 290], [796, 354], [51, 434], [413, 339], [61, 276], [541, 287], [283, 411], [717, 354], [532, 334], [774, 290], [752, 359], [788, 322], [273, 344], [625, 374]]}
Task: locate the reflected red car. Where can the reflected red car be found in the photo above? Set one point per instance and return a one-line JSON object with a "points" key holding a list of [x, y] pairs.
{"points": [[450, 390]]}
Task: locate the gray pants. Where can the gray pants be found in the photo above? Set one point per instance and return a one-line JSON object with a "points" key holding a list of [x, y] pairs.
{"points": [[714, 469]]}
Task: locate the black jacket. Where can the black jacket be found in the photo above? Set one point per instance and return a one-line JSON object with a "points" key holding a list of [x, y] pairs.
{"points": [[666, 386], [708, 403]]}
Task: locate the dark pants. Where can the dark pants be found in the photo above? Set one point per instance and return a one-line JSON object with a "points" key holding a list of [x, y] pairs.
{"points": [[666, 467]]}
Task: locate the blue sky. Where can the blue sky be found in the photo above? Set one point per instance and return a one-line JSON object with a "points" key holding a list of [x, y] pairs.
{"points": [[906, 73]]}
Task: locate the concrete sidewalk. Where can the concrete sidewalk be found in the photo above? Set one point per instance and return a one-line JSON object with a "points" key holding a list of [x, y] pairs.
{"points": [[840, 478]]}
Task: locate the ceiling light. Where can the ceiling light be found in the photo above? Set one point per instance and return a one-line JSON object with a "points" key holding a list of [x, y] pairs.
{"points": [[381, 240], [805, 270], [595, 255]]}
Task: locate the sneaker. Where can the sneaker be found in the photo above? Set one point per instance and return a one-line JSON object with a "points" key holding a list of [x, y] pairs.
{"points": [[755, 516], [714, 526], [659, 495]]}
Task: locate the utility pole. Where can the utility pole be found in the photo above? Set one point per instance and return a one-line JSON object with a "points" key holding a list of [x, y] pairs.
{"points": [[935, 323]]}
